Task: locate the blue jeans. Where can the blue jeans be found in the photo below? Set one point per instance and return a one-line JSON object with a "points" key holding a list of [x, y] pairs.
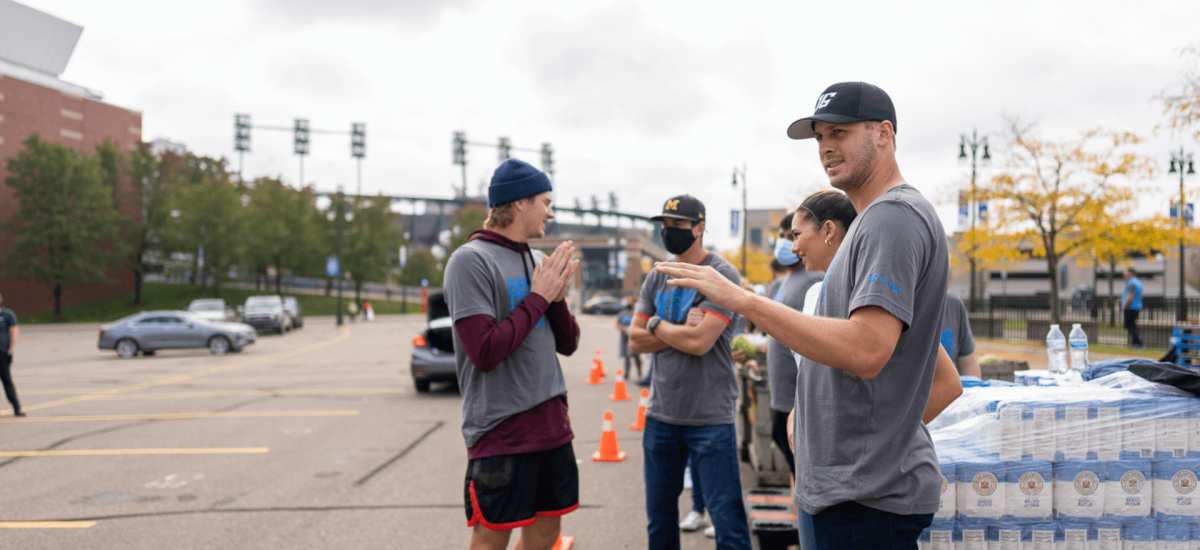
{"points": [[713, 452], [851, 525]]}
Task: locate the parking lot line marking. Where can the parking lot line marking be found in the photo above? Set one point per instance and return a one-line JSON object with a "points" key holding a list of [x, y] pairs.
{"points": [[113, 452], [345, 334], [285, 378], [178, 416], [247, 393], [46, 524], [64, 391]]}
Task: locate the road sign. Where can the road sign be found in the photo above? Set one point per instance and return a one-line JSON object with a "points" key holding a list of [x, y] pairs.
{"points": [[331, 267]]}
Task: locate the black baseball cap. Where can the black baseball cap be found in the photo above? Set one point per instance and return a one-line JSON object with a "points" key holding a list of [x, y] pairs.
{"points": [[683, 207], [846, 102]]}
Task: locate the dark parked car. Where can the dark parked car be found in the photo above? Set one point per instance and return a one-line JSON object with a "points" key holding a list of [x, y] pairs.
{"points": [[266, 313], [433, 349], [292, 306], [603, 305], [151, 331]]}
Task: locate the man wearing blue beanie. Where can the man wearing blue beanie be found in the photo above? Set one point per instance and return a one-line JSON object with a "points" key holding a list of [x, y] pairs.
{"points": [[510, 322]]}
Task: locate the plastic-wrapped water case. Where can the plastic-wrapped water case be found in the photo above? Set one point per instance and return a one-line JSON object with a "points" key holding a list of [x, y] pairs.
{"points": [[1056, 463]]}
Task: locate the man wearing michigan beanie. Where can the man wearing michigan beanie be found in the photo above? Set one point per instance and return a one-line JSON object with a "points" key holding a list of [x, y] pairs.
{"points": [[510, 322]]}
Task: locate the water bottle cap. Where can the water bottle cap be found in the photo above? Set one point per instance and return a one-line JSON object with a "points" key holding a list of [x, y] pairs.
{"points": [[1076, 325], [1052, 327]]}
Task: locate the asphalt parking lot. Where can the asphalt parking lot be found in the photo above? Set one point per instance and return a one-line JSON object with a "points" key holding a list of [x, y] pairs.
{"points": [[314, 439]]}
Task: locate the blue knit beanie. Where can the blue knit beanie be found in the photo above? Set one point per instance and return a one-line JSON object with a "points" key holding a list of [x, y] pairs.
{"points": [[515, 180]]}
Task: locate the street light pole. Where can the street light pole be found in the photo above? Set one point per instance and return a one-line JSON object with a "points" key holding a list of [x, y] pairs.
{"points": [[341, 217], [974, 143], [745, 213], [203, 277], [1181, 309]]}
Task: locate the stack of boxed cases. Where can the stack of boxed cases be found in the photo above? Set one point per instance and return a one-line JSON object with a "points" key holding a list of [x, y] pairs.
{"points": [[1078, 466]]}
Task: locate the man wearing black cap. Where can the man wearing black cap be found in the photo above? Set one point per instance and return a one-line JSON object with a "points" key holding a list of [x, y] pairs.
{"points": [[692, 406], [510, 321], [866, 473]]}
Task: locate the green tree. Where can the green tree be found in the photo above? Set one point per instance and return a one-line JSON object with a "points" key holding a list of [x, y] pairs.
{"points": [[283, 228], [67, 227], [210, 213], [151, 186], [422, 264], [1049, 192], [370, 241], [466, 220]]}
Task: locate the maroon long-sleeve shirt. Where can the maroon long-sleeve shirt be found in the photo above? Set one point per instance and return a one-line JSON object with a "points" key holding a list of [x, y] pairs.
{"points": [[488, 343]]}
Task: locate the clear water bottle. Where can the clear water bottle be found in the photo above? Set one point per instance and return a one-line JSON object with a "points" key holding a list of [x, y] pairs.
{"points": [[1079, 348], [1056, 349]]}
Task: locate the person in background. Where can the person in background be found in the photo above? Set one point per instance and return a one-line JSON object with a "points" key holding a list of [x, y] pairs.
{"points": [[692, 409], [368, 312], [957, 339], [781, 366], [352, 310], [623, 322], [1131, 303], [8, 346]]}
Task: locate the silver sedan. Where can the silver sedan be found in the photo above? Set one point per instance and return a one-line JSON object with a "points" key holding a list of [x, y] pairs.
{"points": [[151, 331]]}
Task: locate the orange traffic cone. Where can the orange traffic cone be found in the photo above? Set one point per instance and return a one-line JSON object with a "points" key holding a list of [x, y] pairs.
{"points": [[608, 442], [594, 376], [564, 543], [641, 420], [599, 364], [619, 389]]}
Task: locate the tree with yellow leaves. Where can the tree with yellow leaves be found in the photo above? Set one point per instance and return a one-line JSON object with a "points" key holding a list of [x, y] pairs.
{"points": [[1049, 194], [1182, 108], [1110, 240], [758, 263]]}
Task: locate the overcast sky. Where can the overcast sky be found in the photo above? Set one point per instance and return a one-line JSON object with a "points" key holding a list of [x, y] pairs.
{"points": [[647, 99]]}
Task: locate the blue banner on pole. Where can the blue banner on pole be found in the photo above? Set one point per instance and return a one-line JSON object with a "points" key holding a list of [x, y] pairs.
{"points": [[332, 269], [735, 225], [1187, 212]]}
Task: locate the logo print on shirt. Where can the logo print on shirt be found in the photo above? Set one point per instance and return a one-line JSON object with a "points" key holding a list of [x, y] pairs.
{"points": [[948, 341], [517, 290], [780, 295], [673, 305], [875, 278]]}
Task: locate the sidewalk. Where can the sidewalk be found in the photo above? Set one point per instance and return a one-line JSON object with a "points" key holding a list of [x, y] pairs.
{"points": [[1036, 355]]}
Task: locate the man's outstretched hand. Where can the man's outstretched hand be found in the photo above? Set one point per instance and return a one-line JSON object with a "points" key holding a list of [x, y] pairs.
{"points": [[708, 281]]}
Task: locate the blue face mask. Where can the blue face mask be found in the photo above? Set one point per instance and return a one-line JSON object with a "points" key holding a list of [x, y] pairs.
{"points": [[783, 252]]}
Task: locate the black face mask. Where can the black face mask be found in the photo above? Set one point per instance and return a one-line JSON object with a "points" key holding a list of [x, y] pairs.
{"points": [[677, 239]]}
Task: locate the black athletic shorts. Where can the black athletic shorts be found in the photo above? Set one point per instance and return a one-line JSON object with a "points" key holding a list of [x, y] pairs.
{"points": [[509, 491]]}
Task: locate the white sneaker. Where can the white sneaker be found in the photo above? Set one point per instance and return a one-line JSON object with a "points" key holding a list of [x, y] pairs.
{"points": [[711, 532], [693, 521]]}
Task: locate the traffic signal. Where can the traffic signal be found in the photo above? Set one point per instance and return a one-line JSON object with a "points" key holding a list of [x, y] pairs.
{"points": [[358, 140], [547, 159], [241, 138], [460, 148], [300, 140], [505, 148]]}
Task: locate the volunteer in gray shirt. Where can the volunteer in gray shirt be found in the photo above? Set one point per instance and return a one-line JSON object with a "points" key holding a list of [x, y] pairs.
{"points": [[694, 388], [956, 337], [781, 368], [510, 320], [866, 471]]}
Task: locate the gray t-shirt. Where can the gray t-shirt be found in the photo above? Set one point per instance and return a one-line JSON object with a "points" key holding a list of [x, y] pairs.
{"points": [[484, 278], [7, 319], [781, 367], [690, 390], [956, 334], [863, 440]]}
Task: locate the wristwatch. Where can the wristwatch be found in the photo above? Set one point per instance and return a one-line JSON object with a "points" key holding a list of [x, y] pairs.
{"points": [[653, 324]]}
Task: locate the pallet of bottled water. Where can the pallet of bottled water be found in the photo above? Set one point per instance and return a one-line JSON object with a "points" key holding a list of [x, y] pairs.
{"points": [[1111, 464]]}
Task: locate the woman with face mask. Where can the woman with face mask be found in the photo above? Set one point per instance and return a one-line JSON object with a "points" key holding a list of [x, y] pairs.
{"points": [[818, 228]]}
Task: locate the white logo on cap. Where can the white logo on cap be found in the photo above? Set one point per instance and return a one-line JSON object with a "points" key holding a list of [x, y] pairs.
{"points": [[825, 99]]}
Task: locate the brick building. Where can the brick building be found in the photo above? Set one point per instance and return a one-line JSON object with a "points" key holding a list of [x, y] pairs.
{"points": [[34, 49]]}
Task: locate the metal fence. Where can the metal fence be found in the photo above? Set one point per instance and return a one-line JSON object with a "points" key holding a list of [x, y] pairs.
{"points": [[1028, 318]]}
